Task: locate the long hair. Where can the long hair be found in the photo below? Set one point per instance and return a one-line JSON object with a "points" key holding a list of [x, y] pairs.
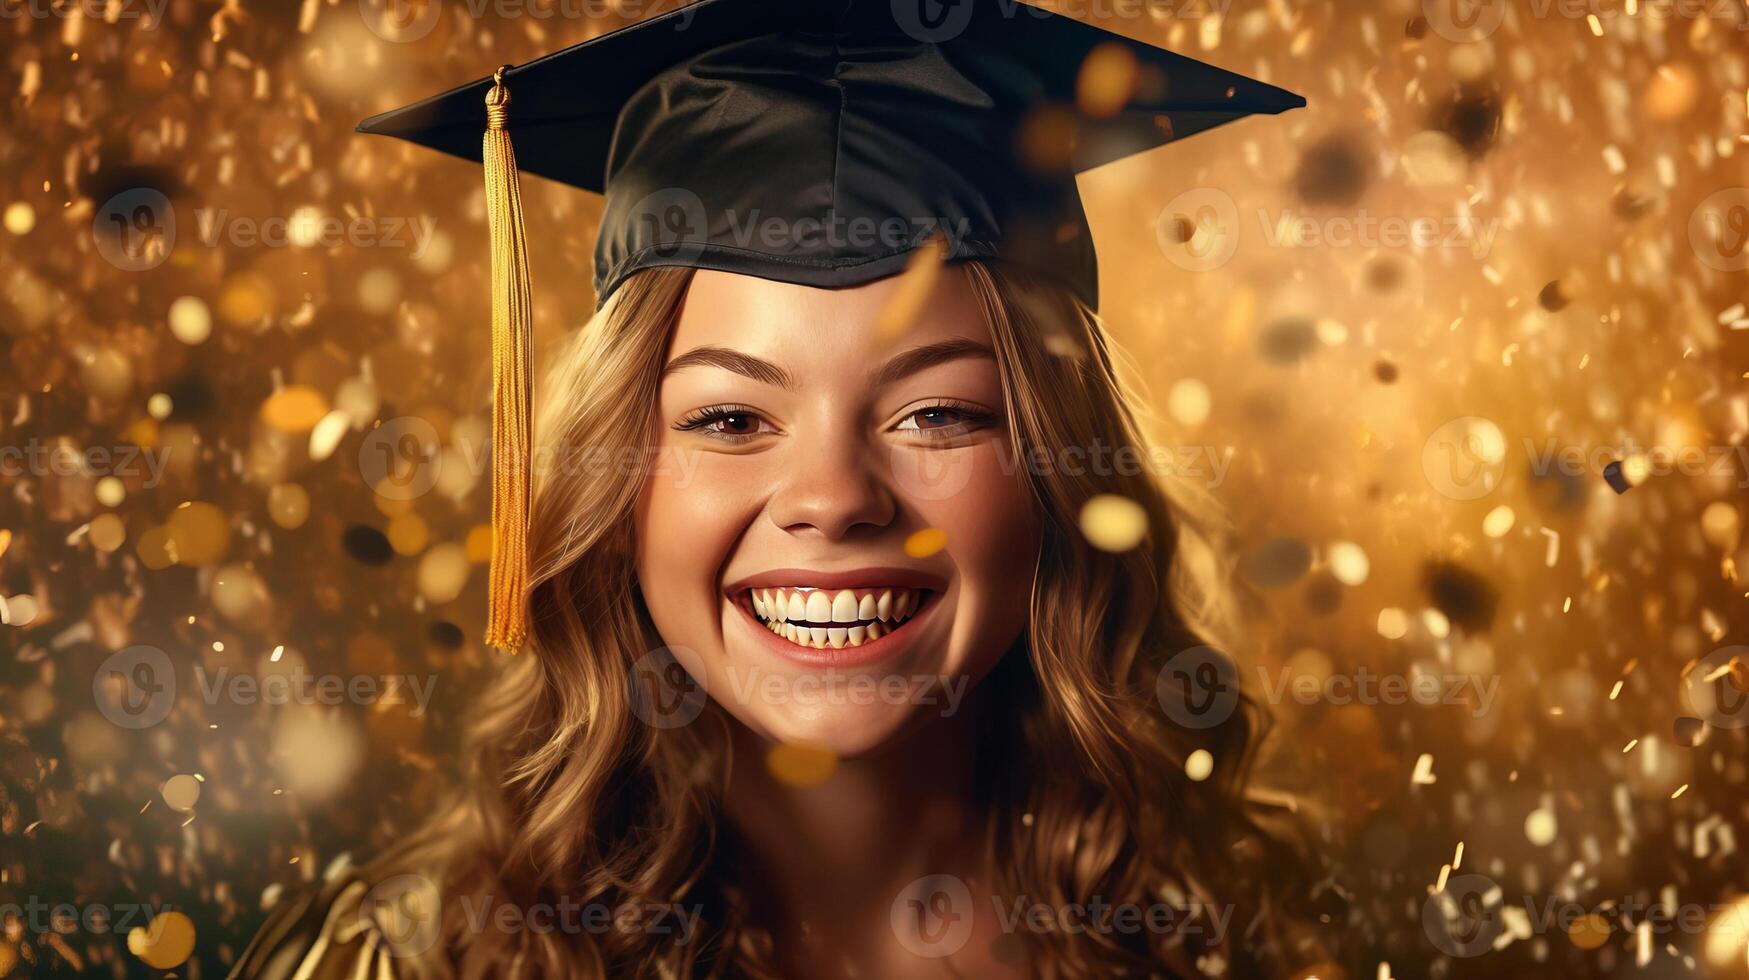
{"points": [[569, 795]]}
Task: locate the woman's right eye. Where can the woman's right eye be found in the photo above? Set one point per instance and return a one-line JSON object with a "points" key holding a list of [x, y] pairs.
{"points": [[730, 423]]}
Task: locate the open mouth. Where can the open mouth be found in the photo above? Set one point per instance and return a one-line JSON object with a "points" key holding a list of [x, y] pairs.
{"points": [[832, 619]]}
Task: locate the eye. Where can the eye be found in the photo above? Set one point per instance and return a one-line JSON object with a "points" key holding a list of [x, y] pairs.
{"points": [[945, 420], [729, 423]]}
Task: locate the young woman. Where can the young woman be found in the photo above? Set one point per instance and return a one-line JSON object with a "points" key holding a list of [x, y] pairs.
{"points": [[1007, 786], [828, 678]]}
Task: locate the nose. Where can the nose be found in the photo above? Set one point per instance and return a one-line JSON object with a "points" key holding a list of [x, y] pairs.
{"points": [[830, 489]]}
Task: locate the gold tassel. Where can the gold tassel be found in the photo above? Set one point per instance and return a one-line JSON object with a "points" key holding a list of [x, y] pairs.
{"points": [[512, 329]]}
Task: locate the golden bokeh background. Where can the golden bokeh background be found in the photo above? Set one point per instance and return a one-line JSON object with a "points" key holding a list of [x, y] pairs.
{"points": [[1462, 347]]}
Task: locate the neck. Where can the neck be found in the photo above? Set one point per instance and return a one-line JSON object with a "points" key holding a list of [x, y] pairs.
{"points": [[829, 859]]}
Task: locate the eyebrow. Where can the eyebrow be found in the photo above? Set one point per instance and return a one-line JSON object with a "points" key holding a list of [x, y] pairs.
{"points": [[745, 365], [917, 358], [907, 363]]}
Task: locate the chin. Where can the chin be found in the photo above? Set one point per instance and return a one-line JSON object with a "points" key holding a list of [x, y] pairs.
{"points": [[846, 731]]}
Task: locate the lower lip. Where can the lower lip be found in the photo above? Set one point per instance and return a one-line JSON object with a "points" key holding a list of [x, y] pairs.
{"points": [[884, 647]]}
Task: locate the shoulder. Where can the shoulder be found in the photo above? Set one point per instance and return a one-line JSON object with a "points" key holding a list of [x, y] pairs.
{"points": [[345, 927]]}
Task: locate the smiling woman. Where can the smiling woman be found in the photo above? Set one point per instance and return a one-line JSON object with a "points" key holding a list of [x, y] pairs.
{"points": [[833, 677], [990, 744]]}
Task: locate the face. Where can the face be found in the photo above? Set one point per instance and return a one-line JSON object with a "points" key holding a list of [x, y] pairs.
{"points": [[836, 543]]}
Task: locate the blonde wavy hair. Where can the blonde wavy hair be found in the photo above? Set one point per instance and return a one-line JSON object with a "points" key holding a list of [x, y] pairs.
{"points": [[568, 794]]}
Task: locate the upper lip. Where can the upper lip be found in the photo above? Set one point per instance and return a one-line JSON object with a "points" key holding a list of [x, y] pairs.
{"points": [[854, 578]]}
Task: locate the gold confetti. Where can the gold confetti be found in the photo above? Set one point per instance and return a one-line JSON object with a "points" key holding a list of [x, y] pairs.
{"points": [[1113, 523], [922, 544], [1199, 765], [913, 289], [295, 409], [800, 765], [165, 943]]}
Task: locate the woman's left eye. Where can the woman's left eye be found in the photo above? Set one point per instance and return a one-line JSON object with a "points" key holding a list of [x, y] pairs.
{"points": [[936, 421]]}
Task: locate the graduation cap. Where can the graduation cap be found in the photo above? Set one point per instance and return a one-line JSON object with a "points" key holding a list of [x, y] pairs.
{"points": [[819, 142]]}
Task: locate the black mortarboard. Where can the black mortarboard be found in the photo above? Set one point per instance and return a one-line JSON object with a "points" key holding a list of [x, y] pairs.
{"points": [[813, 141]]}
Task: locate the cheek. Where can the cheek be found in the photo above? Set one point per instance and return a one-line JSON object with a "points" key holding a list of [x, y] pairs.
{"points": [[689, 517], [992, 541]]}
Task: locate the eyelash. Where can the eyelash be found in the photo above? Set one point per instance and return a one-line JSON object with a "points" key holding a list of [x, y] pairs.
{"points": [[701, 419], [974, 418]]}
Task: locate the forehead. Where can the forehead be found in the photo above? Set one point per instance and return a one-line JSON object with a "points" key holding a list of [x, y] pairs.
{"points": [[770, 318]]}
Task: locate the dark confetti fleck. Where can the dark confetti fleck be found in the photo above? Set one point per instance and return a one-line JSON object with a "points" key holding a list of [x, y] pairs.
{"points": [[1466, 598], [1334, 171], [367, 545], [1288, 340], [1617, 480], [1554, 297], [446, 634], [1323, 594], [1473, 120], [1278, 562]]}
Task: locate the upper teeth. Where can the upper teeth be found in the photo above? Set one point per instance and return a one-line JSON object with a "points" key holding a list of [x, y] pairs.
{"points": [[824, 618]]}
